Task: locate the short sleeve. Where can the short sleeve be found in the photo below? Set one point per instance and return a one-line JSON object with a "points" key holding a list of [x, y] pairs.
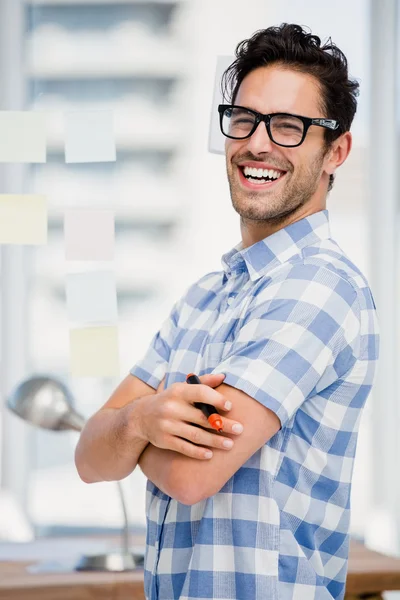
{"points": [[299, 336], [153, 366]]}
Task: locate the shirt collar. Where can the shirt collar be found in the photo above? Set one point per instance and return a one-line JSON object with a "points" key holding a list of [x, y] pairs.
{"points": [[278, 248]]}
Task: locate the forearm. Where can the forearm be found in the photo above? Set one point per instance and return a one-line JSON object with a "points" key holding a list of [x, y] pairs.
{"points": [[157, 464], [108, 449]]}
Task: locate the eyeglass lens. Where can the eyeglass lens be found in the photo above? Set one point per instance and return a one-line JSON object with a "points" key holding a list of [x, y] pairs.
{"points": [[285, 130]]}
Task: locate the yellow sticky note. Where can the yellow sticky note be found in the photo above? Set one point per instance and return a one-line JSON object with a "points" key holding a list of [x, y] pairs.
{"points": [[23, 219], [22, 137], [94, 352]]}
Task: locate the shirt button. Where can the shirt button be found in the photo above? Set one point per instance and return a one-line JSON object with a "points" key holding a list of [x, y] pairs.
{"points": [[156, 545], [230, 299]]}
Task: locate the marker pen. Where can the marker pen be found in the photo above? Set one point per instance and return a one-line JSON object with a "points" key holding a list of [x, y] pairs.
{"points": [[210, 412]]}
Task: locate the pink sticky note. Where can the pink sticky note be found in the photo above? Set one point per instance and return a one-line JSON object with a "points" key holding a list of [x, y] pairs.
{"points": [[89, 234]]}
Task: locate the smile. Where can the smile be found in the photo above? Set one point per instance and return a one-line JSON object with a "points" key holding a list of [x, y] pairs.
{"points": [[252, 178]]}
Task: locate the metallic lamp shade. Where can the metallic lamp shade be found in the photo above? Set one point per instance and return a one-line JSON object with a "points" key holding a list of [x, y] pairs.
{"points": [[45, 402]]}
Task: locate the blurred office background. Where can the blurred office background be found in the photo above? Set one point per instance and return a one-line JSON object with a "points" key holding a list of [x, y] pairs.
{"points": [[153, 63]]}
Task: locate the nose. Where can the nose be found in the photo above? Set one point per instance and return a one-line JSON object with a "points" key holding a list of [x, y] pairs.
{"points": [[260, 142]]}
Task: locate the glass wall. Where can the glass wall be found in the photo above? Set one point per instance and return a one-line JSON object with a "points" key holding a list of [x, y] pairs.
{"points": [[152, 63], [131, 58]]}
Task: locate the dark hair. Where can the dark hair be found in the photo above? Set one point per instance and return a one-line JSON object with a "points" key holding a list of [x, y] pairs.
{"points": [[292, 47]]}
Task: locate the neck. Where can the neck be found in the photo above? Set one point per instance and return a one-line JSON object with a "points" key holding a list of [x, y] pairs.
{"points": [[255, 231]]}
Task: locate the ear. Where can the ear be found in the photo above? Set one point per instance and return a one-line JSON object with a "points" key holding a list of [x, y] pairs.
{"points": [[338, 152]]}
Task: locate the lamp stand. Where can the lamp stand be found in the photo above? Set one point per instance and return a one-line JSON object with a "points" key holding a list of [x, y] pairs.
{"points": [[125, 560]]}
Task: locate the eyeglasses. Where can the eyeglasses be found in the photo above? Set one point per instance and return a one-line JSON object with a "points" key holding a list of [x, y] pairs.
{"points": [[284, 129]]}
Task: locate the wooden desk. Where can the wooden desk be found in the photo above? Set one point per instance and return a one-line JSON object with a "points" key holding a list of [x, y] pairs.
{"points": [[369, 574]]}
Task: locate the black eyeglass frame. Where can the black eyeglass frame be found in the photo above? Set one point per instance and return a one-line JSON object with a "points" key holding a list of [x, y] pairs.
{"points": [[307, 122]]}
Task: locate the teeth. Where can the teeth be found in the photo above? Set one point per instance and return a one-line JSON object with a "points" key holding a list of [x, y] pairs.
{"points": [[253, 172]]}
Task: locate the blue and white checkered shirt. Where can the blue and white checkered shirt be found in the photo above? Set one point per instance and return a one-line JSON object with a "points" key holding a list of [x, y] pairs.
{"points": [[291, 321]]}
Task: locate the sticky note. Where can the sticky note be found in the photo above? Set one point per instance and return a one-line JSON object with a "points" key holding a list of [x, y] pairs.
{"points": [[89, 136], [23, 219], [94, 352], [22, 137], [89, 234], [216, 140], [91, 297]]}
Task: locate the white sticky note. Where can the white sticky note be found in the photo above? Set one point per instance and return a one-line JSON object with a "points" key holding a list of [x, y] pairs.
{"points": [[216, 140], [89, 234], [23, 219], [89, 136], [22, 137], [94, 352], [92, 297]]}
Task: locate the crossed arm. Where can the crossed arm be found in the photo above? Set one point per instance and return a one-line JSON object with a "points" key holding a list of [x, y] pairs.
{"points": [[191, 480]]}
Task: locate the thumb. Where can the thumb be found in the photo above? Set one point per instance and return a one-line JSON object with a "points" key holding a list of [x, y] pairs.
{"points": [[212, 379]]}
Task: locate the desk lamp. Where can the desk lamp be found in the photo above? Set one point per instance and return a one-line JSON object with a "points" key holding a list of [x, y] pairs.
{"points": [[48, 403]]}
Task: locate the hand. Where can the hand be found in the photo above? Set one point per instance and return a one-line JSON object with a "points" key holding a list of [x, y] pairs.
{"points": [[169, 419]]}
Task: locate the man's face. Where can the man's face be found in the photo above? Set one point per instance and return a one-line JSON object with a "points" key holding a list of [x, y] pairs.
{"points": [[270, 90]]}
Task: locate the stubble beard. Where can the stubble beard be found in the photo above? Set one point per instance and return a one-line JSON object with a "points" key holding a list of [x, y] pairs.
{"points": [[274, 207]]}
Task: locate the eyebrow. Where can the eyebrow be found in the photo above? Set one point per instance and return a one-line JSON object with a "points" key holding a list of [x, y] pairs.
{"points": [[271, 112]]}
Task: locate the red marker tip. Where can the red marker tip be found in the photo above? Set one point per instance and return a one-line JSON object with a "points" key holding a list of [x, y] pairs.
{"points": [[215, 422]]}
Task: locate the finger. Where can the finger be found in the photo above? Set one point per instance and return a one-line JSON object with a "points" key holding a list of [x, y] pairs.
{"points": [[200, 436], [227, 426], [196, 416], [206, 394], [230, 426], [182, 446], [212, 379]]}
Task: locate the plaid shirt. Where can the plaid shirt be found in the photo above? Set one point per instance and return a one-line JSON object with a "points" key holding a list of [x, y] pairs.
{"points": [[291, 321]]}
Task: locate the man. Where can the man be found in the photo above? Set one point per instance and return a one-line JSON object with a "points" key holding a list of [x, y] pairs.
{"points": [[286, 334]]}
